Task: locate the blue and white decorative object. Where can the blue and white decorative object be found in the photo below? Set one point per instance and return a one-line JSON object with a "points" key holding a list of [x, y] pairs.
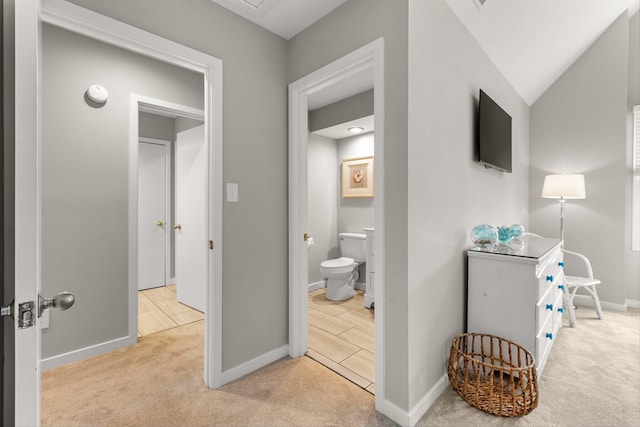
{"points": [[505, 235], [518, 230], [484, 236]]}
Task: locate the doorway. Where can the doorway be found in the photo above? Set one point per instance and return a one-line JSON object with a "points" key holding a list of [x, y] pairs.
{"points": [[333, 80], [29, 16]]}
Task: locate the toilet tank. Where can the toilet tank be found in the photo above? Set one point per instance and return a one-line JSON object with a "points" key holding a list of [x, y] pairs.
{"points": [[353, 245]]}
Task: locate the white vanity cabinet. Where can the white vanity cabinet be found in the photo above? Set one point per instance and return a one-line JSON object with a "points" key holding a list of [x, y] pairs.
{"points": [[517, 294], [370, 275]]}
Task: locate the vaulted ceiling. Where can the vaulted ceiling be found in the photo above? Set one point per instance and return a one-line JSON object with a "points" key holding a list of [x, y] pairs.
{"points": [[532, 42]]}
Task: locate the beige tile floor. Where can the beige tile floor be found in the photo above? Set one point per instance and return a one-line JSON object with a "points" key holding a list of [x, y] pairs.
{"points": [[341, 337], [159, 310]]}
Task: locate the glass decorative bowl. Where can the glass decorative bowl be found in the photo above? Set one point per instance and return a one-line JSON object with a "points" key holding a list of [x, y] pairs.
{"points": [[505, 235], [484, 236]]}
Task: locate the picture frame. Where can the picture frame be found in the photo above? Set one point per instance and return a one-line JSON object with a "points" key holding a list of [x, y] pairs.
{"points": [[357, 177]]}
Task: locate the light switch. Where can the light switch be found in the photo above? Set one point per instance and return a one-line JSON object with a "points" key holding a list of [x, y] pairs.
{"points": [[232, 192]]}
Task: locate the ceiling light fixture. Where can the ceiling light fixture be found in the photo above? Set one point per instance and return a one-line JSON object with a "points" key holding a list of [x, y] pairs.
{"points": [[356, 129]]}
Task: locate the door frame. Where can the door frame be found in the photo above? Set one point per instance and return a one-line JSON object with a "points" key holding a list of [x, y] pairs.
{"points": [[370, 56], [168, 202], [29, 15]]}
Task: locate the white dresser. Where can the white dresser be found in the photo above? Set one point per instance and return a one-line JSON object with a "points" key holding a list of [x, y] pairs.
{"points": [[517, 294]]}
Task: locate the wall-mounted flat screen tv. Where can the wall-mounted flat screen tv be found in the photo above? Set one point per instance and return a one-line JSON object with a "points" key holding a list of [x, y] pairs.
{"points": [[494, 130]]}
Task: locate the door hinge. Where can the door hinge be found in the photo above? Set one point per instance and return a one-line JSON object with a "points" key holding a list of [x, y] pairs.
{"points": [[211, 244]]}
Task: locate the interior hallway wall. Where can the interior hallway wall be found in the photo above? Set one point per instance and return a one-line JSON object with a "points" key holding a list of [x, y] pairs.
{"points": [[579, 126], [449, 192], [323, 182], [85, 180], [255, 234]]}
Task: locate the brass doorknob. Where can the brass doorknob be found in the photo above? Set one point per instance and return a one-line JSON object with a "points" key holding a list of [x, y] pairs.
{"points": [[159, 223], [177, 227]]}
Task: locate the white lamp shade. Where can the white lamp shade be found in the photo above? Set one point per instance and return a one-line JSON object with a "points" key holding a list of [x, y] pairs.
{"points": [[565, 186]]}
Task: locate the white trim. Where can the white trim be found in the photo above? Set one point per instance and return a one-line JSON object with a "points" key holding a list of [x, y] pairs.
{"points": [[315, 286], [107, 30], [587, 301], [632, 303], [83, 353], [370, 56], [412, 417], [168, 201], [254, 364]]}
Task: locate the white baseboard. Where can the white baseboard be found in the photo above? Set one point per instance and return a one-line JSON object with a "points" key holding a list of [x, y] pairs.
{"points": [[254, 364], [412, 417], [83, 353], [361, 286], [316, 285], [633, 303], [586, 300]]}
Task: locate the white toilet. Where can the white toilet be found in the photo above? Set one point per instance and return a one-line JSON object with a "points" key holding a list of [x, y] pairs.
{"points": [[342, 273]]}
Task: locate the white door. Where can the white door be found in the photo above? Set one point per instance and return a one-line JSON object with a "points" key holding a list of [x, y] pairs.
{"points": [[26, 388], [191, 244], [153, 179]]}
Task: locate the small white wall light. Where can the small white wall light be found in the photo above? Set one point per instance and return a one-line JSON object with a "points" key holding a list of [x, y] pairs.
{"points": [[97, 94]]}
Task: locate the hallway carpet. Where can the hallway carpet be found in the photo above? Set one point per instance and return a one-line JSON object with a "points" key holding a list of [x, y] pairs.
{"points": [[159, 382], [592, 378]]}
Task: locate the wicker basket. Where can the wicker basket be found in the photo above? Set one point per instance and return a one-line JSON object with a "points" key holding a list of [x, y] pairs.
{"points": [[493, 374]]}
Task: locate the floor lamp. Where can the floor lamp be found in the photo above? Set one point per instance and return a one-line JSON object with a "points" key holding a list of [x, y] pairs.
{"points": [[563, 187]]}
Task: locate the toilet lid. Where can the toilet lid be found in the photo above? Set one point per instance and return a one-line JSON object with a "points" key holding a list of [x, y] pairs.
{"points": [[338, 262]]}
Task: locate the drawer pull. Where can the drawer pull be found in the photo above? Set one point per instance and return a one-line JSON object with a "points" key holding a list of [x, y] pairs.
{"points": [[561, 287], [549, 278], [549, 306], [560, 263], [548, 335], [560, 310]]}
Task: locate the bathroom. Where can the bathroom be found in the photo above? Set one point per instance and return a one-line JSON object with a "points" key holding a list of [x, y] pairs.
{"points": [[341, 150]]}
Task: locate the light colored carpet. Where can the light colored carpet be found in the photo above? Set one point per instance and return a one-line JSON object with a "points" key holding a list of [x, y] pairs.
{"points": [[592, 379]]}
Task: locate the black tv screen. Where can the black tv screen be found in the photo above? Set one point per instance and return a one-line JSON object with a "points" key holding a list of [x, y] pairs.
{"points": [[494, 141]]}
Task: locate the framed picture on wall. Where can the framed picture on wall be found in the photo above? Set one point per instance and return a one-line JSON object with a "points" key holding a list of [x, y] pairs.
{"points": [[357, 177]]}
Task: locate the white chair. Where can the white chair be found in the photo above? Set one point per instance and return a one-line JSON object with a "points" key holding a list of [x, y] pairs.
{"points": [[588, 283], [573, 283]]}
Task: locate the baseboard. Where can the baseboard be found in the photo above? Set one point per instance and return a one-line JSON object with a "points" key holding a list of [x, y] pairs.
{"points": [[317, 285], [412, 417], [633, 303], [83, 353], [254, 364], [361, 286], [586, 300]]}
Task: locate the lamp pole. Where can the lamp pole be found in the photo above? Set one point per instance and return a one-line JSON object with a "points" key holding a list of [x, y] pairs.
{"points": [[562, 200]]}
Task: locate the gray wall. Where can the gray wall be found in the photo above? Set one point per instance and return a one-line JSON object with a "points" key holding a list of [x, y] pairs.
{"points": [[449, 192], [354, 107], [579, 126], [349, 27], [356, 213], [255, 259], [155, 126], [632, 258], [323, 182], [85, 167]]}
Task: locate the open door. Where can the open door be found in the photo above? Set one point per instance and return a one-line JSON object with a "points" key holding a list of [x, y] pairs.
{"points": [[190, 223], [21, 377]]}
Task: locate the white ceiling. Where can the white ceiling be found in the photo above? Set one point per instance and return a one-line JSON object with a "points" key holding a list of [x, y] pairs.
{"points": [[342, 130], [532, 42], [285, 18]]}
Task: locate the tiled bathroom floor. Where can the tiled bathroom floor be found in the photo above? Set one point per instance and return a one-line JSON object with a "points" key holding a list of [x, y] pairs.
{"points": [[341, 337], [159, 310]]}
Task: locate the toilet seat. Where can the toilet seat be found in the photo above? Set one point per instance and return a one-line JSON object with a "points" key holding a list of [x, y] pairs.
{"points": [[338, 265]]}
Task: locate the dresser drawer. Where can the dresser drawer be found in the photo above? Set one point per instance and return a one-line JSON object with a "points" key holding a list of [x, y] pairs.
{"points": [[544, 339], [545, 308]]}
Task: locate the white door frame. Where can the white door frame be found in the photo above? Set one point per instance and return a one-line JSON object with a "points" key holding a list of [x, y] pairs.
{"points": [[370, 56], [168, 202], [29, 14]]}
